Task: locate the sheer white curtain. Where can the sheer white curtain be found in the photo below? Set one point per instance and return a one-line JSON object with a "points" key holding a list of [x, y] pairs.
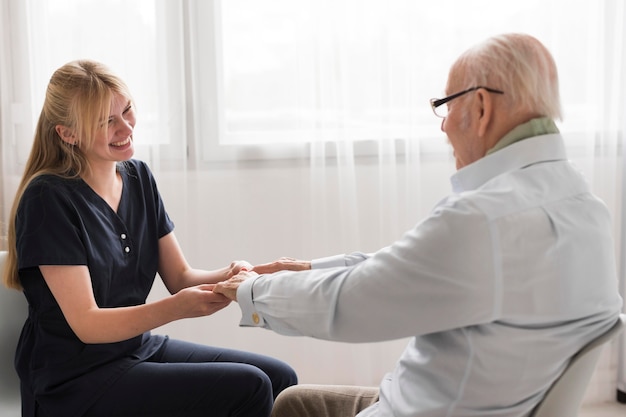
{"points": [[302, 127], [616, 110]]}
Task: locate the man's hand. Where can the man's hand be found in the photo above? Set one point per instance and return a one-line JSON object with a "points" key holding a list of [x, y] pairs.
{"points": [[282, 264], [229, 287]]}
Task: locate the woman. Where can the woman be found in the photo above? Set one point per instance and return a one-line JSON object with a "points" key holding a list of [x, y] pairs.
{"points": [[88, 232]]}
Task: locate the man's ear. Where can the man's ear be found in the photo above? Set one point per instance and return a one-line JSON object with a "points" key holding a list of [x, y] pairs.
{"points": [[485, 103], [66, 134]]}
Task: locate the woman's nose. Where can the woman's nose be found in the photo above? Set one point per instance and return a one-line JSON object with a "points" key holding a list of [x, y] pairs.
{"points": [[127, 126]]}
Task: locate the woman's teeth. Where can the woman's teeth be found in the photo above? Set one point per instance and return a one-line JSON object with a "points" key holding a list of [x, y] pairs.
{"points": [[122, 143]]}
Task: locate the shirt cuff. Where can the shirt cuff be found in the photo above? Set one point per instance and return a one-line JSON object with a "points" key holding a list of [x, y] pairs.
{"points": [[250, 317], [328, 262], [339, 260]]}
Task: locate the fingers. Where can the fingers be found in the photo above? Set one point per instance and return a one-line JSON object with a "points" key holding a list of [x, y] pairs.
{"points": [[282, 264], [238, 266], [201, 300], [267, 268], [227, 289], [217, 306], [205, 287]]}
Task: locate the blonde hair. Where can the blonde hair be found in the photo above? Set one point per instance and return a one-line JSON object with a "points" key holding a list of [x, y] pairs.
{"points": [[519, 65], [78, 98]]}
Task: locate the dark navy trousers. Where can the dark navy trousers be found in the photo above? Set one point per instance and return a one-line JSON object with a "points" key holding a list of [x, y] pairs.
{"points": [[191, 380]]}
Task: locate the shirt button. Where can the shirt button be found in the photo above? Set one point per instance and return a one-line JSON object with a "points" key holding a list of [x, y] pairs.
{"points": [[126, 249], [123, 236], [255, 318]]}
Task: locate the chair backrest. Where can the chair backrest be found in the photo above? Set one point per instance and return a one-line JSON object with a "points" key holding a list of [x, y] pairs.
{"points": [[13, 313], [565, 396]]}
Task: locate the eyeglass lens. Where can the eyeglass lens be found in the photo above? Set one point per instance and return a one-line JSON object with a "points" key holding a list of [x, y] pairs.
{"points": [[442, 110]]}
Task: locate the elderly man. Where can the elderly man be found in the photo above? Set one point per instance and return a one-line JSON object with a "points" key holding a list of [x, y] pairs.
{"points": [[499, 286]]}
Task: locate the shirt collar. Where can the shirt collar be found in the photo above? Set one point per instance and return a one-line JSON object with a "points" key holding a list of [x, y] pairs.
{"points": [[518, 155], [532, 128]]}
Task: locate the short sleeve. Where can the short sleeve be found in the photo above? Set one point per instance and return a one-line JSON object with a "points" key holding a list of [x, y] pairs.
{"points": [[47, 227]]}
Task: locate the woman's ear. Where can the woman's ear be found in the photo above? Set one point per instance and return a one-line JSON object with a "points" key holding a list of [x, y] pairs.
{"points": [[66, 134]]}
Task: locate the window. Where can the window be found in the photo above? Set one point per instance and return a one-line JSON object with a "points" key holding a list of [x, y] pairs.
{"points": [[244, 78], [121, 34], [300, 71]]}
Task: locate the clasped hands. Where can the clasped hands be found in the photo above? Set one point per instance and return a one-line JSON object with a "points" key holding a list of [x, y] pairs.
{"points": [[228, 288]]}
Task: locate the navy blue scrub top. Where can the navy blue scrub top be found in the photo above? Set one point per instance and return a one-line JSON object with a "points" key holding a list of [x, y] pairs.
{"points": [[64, 222]]}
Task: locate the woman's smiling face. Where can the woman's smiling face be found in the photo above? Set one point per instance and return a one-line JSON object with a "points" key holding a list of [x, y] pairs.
{"points": [[115, 142]]}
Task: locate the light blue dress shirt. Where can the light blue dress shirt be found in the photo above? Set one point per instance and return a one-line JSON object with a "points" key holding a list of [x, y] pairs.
{"points": [[504, 281]]}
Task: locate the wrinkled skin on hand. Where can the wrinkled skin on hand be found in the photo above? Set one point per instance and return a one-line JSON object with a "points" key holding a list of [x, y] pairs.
{"points": [[229, 287], [282, 264]]}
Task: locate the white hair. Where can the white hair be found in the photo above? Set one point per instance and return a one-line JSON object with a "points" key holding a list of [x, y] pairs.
{"points": [[519, 65]]}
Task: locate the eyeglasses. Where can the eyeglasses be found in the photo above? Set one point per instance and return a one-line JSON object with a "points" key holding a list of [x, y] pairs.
{"points": [[438, 103]]}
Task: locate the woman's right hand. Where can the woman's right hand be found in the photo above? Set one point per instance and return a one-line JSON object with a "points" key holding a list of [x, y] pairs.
{"points": [[71, 287], [199, 300], [282, 264]]}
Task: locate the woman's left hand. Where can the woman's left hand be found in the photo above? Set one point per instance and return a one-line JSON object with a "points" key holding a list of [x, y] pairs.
{"points": [[236, 267]]}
